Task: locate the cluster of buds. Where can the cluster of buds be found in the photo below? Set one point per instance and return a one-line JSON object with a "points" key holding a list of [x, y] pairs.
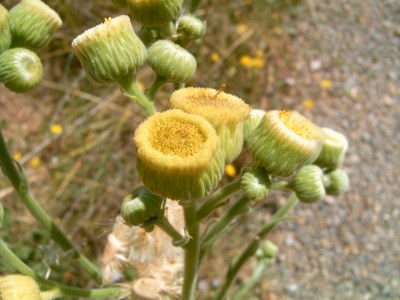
{"points": [[28, 26]]}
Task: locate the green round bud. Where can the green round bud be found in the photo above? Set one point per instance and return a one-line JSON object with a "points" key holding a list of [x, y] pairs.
{"points": [[251, 123], [2, 215], [21, 69], [5, 34], [284, 141], [333, 150], [256, 183], [19, 287], [149, 35], [154, 12], [110, 52], [267, 250], [191, 28], [32, 24], [179, 155], [308, 184], [224, 111], [338, 182], [141, 206], [119, 3], [171, 61]]}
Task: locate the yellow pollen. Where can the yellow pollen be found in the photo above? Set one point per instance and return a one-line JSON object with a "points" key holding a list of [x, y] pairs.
{"points": [[299, 128], [230, 170], [177, 137], [106, 20]]}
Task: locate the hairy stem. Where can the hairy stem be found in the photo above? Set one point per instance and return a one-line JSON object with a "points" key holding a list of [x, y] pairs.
{"points": [[215, 199], [132, 90], [192, 250], [21, 185], [253, 246], [157, 84], [169, 229]]}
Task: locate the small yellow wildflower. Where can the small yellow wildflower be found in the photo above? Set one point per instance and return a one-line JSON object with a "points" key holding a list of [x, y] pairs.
{"points": [[56, 129], [17, 156], [277, 30], [259, 53], [35, 162], [241, 28], [230, 170], [258, 62], [246, 61], [308, 103], [275, 16], [215, 57], [325, 84]]}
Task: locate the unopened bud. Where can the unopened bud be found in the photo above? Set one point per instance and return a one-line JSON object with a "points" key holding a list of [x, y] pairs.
{"points": [[256, 183], [5, 34], [338, 182], [308, 184], [251, 123], [333, 150], [191, 28], [154, 12]]}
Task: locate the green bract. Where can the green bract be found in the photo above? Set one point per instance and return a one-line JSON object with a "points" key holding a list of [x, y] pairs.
{"points": [[251, 123], [5, 34], [308, 184], [32, 24], [154, 12], [141, 206], [21, 69], [171, 61], [110, 52]]}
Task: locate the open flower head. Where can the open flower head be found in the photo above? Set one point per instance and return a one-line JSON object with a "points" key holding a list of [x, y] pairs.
{"points": [[32, 24], [19, 287], [111, 51], [284, 141], [179, 155], [5, 34], [224, 111]]}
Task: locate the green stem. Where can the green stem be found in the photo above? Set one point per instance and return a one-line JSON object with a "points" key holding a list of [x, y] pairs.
{"points": [[215, 199], [21, 185], [158, 82], [253, 246], [281, 185], [249, 284], [132, 90], [56, 289], [166, 226], [194, 6], [215, 231], [192, 250]]}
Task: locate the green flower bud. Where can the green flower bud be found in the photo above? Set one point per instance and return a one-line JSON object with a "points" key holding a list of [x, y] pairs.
{"points": [[337, 182], [171, 61], [19, 287], [5, 34], [149, 35], [224, 111], [333, 150], [119, 3], [267, 250], [284, 141], [251, 123], [256, 183], [179, 155], [191, 28], [141, 206], [21, 69], [32, 24], [110, 52], [308, 184], [2, 215], [154, 12]]}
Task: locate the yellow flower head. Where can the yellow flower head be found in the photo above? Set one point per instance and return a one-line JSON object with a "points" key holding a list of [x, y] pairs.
{"points": [[56, 129], [308, 103], [325, 84], [215, 57], [35, 162], [179, 155]]}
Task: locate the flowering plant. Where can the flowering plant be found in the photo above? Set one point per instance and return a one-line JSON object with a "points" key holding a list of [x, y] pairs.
{"points": [[182, 154]]}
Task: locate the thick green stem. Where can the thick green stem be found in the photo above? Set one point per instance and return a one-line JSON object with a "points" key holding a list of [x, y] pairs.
{"points": [[249, 284], [253, 246], [21, 186], [281, 185], [192, 251], [56, 289], [215, 231], [158, 82], [132, 90], [215, 199], [166, 226]]}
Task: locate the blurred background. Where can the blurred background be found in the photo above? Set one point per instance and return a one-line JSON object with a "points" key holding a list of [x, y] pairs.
{"points": [[337, 62]]}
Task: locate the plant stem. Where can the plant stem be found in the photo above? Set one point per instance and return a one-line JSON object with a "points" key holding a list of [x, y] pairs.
{"points": [[214, 233], [133, 91], [167, 227], [21, 185], [158, 82], [192, 250], [56, 289], [281, 185], [249, 284], [253, 246], [215, 199], [194, 6]]}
